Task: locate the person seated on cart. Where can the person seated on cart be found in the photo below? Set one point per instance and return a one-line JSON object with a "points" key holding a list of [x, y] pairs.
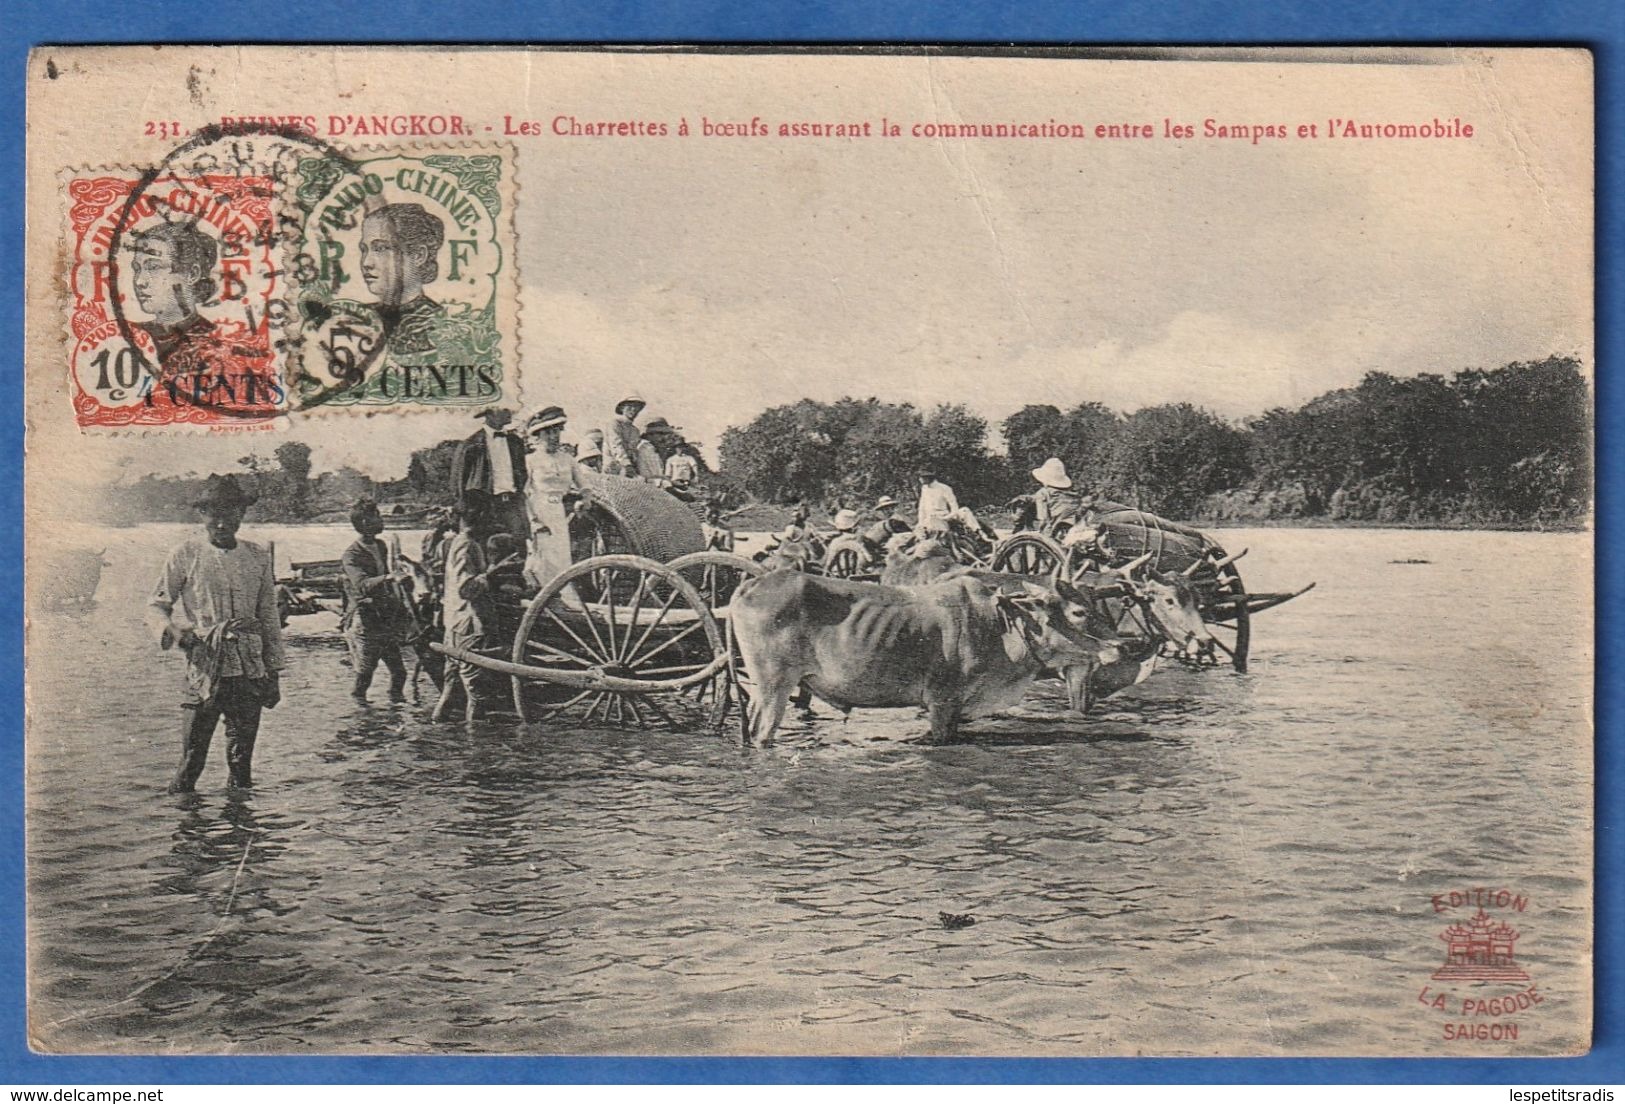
{"points": [[878, 537], [622, 438], [801, 532], [846, 532], [591, 453], [1056, 502], [650, 467], [937, 504], [554, 488], [794, 546], [682, 470], [470, 613]]}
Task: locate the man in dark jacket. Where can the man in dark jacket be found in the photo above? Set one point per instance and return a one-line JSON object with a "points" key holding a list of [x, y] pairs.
{"points": [[491, 463], [375, 619]]}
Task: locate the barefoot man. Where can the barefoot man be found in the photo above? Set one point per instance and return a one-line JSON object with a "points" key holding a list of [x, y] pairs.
{"points": [[216, 599]]}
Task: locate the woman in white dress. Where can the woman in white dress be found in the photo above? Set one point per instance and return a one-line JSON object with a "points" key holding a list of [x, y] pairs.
{"points": [[553, 475]]}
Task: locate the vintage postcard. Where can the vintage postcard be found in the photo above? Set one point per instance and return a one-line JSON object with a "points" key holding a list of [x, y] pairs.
{"points": [[677, 552]]}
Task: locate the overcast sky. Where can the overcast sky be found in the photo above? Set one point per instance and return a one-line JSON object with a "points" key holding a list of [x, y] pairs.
{"points": [[721, 277]]}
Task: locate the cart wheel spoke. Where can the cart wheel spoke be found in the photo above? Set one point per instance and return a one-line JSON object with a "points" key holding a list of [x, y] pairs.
{"points": [[596, 653], [652, 704], [547, 712], [660, 617], [610, 602], [639, 663], [631, 617], [552, 655], [635, 711]]}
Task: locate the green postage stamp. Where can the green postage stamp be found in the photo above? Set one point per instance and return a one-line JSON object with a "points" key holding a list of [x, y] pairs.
{"points": [[403, 279]]}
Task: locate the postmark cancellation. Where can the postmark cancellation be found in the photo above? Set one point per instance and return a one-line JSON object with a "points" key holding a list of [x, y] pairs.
{"points": [[209, 291]]}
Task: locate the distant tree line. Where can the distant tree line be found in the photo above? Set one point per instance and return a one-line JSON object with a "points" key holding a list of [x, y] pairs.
{"points": [[1510, 446]]}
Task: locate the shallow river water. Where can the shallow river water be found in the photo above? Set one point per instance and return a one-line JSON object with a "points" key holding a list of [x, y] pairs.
{"points": [[1210, 863]]}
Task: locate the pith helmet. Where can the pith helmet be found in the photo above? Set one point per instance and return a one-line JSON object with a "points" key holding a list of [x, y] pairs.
{"points": [[1052, 473]]}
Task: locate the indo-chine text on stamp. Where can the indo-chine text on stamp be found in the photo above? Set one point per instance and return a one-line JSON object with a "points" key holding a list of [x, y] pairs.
{"points": [[174, 296], [403, 280]]}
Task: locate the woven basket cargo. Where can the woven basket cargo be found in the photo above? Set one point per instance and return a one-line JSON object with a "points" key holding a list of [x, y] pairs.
{"points": [[654, 523]]}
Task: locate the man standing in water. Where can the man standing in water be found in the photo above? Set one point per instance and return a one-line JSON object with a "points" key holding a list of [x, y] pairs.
{"points": [[216, 599], [470, 607], [376, 621]]}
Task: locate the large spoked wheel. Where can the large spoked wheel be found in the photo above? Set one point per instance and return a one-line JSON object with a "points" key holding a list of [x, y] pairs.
{"points": [[1228, 618], [717, 576], [1028, 554], [607, 635]]}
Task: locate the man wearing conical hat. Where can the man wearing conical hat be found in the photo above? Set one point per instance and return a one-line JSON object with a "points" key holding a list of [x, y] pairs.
{"points": [[216, 601], [1056, 500]]}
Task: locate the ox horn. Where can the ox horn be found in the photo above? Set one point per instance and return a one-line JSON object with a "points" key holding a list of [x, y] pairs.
{"points": [[1133, 565], [1228, 560]]}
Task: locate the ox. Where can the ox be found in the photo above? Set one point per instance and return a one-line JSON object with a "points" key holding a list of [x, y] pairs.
{"points": [[1169, 606], [960, 647], [791, 555], [919, 563], [1150, 613]]}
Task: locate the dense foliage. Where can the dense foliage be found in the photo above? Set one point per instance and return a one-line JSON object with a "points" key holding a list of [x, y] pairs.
{"points": [[1509, 446]]}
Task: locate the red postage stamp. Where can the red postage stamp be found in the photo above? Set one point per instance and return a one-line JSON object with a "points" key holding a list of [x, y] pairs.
{"points": [[174, 300]]}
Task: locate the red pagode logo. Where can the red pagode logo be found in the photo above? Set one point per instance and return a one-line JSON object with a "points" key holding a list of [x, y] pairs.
{"points": [[1480, 950]]}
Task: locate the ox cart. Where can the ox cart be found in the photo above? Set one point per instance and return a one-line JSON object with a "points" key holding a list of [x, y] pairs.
{"points": [[1115, 538], [1119, 536], [634, 632]]}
